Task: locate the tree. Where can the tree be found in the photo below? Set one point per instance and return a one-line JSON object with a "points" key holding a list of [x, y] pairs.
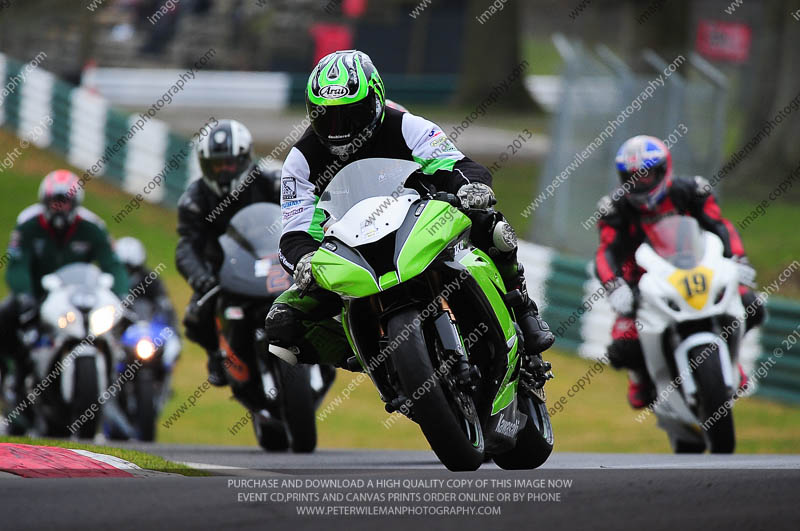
{"points": [[492, 51], [776, 83]]}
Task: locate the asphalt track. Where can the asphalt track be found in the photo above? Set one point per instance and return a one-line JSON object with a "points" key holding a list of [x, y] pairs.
{"points": [[572, 491]]}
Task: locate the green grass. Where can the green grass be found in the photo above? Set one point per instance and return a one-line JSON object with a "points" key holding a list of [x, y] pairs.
{"points": [[598, 419], [141, 459], [542, 56]]}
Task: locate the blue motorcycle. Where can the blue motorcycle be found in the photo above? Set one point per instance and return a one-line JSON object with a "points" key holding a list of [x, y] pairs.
{"points": [[152, 348]]}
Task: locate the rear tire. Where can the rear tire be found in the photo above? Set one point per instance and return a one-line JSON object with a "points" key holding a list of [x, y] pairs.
{"points": [[711, 396], [86, 393], [431, 410], [298, 400], [535, 441]]}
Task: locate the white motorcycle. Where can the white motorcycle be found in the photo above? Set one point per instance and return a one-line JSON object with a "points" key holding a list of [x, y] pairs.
{"points": [[688, 302], [75, 351]]}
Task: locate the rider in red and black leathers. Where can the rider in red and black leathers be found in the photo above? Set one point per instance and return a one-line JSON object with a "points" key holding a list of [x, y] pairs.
{"points": [[650, 193]]}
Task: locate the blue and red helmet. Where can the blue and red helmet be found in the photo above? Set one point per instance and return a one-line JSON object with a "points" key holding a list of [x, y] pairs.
{"points": [[644, 164]]}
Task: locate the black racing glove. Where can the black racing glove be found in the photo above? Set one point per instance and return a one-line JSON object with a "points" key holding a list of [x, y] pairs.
{"points": [[203, 282], [27, 309]]}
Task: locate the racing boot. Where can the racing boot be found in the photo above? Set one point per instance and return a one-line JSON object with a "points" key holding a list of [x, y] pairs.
{"points": [[536, 333], [641, 391], [216, 369], [493, 234]]}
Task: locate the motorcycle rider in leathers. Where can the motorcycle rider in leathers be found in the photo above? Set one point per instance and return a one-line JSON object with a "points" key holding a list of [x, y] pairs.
{"points": [[350, 121], [650, 193]]}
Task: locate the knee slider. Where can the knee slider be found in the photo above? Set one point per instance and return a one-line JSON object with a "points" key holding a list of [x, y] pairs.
{"points": [[504, 238]]}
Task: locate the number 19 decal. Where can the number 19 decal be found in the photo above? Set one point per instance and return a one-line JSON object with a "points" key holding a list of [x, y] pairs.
{"points": [[693, 285]]}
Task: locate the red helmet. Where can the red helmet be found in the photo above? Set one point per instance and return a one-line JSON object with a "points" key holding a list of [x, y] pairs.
{"points": [[644, 164], [60, 194]]}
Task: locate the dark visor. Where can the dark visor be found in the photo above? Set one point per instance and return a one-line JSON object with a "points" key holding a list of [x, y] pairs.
{"points": [[340, 124]]}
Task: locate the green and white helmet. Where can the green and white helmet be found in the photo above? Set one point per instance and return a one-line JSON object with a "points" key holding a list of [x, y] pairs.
{"points": [[345, 100]]}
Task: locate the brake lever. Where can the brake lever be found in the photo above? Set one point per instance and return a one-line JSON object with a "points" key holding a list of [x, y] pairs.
{"points": [[210, 293], [447, 197]]}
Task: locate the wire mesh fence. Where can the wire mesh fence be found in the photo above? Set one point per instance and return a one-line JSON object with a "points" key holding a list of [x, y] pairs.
{"points": [[603, 102]]}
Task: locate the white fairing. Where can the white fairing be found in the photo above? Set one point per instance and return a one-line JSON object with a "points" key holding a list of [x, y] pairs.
{"points": [[656, 316], [58, 304], [67, 332], [372, 219]]}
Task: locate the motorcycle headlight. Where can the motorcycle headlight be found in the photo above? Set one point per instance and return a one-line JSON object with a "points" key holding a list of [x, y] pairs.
{"points": [[101, 320], [64, 320], [145, 349]]}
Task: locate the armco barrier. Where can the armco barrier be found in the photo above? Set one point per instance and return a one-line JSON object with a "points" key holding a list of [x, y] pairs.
{"points": [[95, 137], [783, 381]]}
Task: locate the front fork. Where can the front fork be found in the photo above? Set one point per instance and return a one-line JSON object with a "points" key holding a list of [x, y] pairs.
{"points": [[466, 376]]}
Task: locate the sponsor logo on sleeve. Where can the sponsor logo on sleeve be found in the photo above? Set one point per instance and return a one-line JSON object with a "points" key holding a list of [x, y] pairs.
{"points": [[288, 188], [292, 213], [443, 144]]}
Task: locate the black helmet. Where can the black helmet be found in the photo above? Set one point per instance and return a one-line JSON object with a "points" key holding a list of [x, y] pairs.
{"points": [[345, 100], [225, 154]]}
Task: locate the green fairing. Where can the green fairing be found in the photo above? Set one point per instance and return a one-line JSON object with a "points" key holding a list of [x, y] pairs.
{"points": [[488, 278], [334, 273], [437, 226], [349, 334], [389, 280], [508, 389]]}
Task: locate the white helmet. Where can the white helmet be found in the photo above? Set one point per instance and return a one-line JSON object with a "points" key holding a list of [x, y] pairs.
{"points": [[225, 154], [130, 251]]}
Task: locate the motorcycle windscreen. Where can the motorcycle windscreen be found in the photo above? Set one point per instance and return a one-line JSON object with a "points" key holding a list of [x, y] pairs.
{"points": [[364, 179], [250, 248], [257, 228], [679, 240], [79, 274]]}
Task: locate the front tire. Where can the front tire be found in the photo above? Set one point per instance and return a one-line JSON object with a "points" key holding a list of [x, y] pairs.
{"points": [[87, 391], [535, 441], [271, 434], [145, 388], [686, 447], [712, 394], [298, 399], [441, 425]]}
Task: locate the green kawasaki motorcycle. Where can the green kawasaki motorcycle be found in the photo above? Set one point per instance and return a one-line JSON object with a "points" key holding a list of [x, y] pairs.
{"points": [[429, 319]]}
